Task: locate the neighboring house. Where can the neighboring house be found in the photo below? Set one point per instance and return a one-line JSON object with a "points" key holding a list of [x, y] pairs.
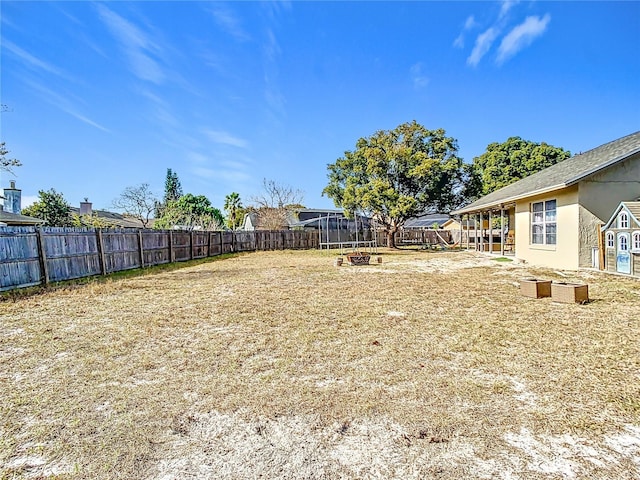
{"points": [[332, 225], [17, 220], [266, 218], [115, 220], [455, 224], [306, 218], [558, 211], [12, 206], [426, 221], [622, 240]]}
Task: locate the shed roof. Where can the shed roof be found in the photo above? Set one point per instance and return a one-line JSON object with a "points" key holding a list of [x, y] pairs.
{"points": [[560, 175]]}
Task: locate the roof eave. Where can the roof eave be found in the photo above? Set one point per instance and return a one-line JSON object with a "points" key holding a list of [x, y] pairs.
{"points": [[508, 200]]}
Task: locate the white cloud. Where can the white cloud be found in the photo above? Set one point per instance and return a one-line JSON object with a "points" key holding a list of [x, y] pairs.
{"points": [[31, 60], [228, 21], [64, 104], [522, 36], [418, 77], [225, 138], [506, 6], [482, 46], [137, 45], [228, 176], [470, 22]]}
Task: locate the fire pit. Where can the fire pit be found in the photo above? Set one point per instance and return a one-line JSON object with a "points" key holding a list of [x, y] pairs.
{"points": [[357, 258]]}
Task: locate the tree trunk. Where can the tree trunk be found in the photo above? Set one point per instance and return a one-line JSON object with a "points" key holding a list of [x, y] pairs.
{"points": [[391, 238]]}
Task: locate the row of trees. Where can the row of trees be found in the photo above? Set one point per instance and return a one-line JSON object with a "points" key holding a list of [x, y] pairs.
{"points": [[186, 211], [392, 175], [411, 171]]}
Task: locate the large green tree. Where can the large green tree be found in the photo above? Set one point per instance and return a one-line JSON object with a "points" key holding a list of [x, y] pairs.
{"points": [[190, 212], [397, 174], [51, 207], [510, 161]]}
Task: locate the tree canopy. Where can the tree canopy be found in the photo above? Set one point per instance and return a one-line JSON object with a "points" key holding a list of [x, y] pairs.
{"points": [[191, 212], [397, 174], [507, 162], [52, 208], [172, 187]]}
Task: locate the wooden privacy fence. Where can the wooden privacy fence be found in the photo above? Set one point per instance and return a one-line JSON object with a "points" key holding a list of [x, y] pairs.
{"points": [[34, 256]]}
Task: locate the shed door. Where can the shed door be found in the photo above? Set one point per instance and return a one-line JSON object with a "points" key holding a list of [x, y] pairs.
{"points": [[623, 257]]}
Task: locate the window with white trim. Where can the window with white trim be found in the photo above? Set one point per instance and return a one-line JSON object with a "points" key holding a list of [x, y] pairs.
{"points": [[610, 240], [635, 242], [623, 243], [623, 220], [543, 223]]}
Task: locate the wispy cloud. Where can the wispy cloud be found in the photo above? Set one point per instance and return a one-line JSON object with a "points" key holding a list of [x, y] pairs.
{"points": [[161, 109], [31, 60], [225, 138], [227, 176], [522, 36], [228, 21], [469, 24], [63, 103], [139, 48], [273, 96], [418, 77], [506, 6], [482, 46]]}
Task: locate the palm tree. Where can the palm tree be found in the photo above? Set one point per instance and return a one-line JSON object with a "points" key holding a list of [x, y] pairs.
{"points": [[232, 205]]}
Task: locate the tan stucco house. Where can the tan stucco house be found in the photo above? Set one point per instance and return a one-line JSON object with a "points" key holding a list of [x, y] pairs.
{"points": [[556, 214]]}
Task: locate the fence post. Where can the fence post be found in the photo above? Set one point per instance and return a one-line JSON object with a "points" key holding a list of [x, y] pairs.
{"points": [[141, 246], [42, 257], [100, 246], [171, 253], [191, 245], [208, 243]]}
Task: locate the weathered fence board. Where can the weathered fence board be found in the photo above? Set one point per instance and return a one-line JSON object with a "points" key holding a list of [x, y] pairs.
{"points": [[19, 259]]}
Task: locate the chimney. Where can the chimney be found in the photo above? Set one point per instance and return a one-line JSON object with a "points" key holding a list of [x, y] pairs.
{"points": [[85, 207], [13, 198]]}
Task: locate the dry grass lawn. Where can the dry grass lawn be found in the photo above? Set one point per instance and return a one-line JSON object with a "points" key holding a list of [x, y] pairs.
{"points": [[281, 365]]}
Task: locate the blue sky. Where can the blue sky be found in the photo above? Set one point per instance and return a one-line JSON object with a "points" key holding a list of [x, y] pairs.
{"points": [[106, 95]]}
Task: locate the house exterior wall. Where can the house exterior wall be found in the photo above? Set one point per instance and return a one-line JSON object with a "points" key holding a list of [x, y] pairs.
{"points": [[565, 253], [599, 196]]}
